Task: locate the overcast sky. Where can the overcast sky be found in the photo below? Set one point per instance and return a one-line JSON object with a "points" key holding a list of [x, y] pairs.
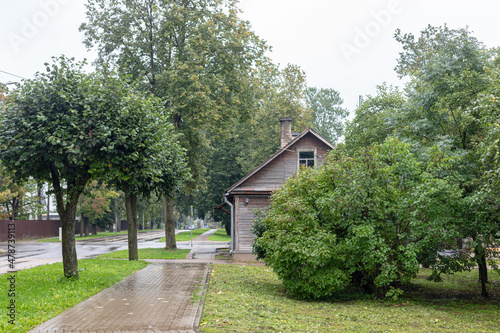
{"points": [[345, 45]]}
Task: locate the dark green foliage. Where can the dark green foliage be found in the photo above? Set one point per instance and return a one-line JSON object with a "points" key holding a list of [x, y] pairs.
{"points": [[365, 219], [57, 129], [258, 229], [376, 118], [450, 72], [107, 219], [450, 101]]}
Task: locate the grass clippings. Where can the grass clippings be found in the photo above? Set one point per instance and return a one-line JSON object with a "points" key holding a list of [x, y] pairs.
{"points": [[252, 299]]}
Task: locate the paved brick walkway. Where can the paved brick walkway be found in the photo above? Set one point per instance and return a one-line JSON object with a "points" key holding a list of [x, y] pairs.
{"points": [[158, 298]]}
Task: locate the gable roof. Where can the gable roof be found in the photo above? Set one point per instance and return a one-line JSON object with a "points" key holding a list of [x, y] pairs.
{"points": [[277, 154]]}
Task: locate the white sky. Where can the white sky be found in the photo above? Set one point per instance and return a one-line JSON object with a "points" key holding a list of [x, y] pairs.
{"points": [[343, 45]]}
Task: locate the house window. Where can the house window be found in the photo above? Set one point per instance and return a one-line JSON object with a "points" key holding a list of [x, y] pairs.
{"points": [[306, 158]]}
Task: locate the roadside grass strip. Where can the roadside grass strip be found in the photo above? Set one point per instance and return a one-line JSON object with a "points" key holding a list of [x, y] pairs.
{"points": [[150, 253], [42, 292], [252, 299], [186, 235], [220, 236], [99, 234]]}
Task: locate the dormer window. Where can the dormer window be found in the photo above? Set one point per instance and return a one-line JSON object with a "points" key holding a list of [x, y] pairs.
{"points": [[306, 158]]}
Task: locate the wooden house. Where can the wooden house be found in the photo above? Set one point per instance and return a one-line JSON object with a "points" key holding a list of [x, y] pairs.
{"points": [[253, 191]]}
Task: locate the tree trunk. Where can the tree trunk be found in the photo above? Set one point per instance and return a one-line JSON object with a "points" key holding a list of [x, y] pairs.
{"points": [[67, 214], [82, 223], [70, 260], [110, 227], [39, 199], [131, 208], [86, 226], [94, 229], [483, 270], [48, 203], [15, 206], [118, 222], [168, 217]]}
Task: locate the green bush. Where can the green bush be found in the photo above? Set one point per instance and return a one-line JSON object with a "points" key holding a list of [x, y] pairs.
{"points": [[366, 219]]}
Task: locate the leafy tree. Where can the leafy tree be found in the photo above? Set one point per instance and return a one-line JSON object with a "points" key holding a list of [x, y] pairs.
{"points": [[197, 55], [96, 204], [222, 171], [327, 112], [369, 219], [152, 210], [279, 93], [11, 196], [484, 203], [377, 118], [57, 130], [447, 72], [68, 127], [145, 156], [3, 97]]}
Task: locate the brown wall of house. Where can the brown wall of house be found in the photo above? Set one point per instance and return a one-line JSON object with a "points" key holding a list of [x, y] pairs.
{"points": [[273, 175], [269, 178], [245, 216], [29, 229]]}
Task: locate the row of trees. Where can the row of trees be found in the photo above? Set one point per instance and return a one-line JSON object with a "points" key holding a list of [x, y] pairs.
{"points": [[224, 95], [67, 127], [249, 143], [178, 87], [416, 177]]}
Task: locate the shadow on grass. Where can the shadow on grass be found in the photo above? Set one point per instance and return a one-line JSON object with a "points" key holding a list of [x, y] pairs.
{"points": [[463, 287], [455, 291]]}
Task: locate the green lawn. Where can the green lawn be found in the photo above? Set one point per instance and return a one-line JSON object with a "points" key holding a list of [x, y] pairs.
{"points": [[99, 234], [42, 292], [220, 236], [252, 299], [151, 253], [186, 235]]}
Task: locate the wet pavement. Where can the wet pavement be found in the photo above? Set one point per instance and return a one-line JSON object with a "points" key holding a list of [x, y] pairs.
{"points": [[33, 253], [166, 296], [163, 297]]}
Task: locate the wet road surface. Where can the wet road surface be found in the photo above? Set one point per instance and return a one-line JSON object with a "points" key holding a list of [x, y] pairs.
{"points": [[32, 253]]}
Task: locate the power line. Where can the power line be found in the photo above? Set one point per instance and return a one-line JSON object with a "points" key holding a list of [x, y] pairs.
{"points": [[12, 74]]}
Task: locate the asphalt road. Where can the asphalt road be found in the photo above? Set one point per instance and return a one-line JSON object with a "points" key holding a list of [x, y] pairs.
{"points": [[32, 253]]}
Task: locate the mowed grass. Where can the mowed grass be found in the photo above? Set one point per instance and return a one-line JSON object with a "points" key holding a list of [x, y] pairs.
{"points": [[252, 299], [220, 236], [150, 253], [186, 235], [42, 292]]}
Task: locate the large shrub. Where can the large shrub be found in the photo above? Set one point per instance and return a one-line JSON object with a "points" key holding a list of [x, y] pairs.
{"points": [[368, 219]]}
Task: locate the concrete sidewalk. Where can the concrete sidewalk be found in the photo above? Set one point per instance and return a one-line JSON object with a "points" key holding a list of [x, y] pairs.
{"points": [[163, 297]]}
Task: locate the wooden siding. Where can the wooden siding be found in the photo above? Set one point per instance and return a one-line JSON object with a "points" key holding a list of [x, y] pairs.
{"points": [[245, 217], [273, 175]]}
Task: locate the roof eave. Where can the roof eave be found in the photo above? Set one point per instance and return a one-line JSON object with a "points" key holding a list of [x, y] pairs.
{"points": [[279, 152]]}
